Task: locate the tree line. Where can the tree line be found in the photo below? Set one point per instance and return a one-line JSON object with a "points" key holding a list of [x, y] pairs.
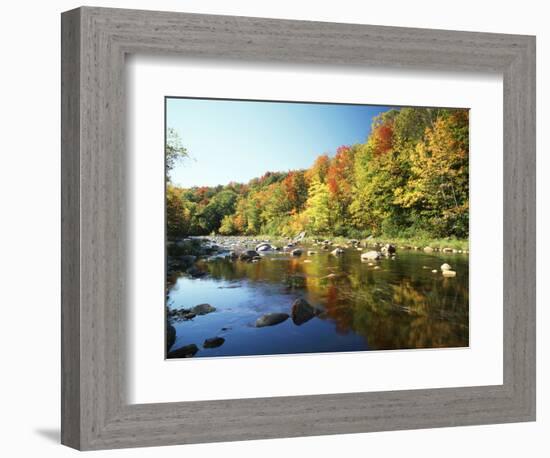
{"points": [[409, 179]]}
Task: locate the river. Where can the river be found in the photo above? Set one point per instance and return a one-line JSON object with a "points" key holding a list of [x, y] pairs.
{"points": [[391, 304]]}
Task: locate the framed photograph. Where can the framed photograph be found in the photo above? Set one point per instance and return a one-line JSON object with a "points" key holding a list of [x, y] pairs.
{"points": [[279, 228]]}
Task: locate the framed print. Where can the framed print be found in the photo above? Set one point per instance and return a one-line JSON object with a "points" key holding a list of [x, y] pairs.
{"points": [[314, 228]]}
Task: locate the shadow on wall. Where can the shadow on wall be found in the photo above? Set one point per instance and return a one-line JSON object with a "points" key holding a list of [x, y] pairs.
{"points": [[53, 435]]}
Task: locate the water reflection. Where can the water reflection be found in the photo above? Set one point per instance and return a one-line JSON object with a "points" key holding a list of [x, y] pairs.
{"points": [[401, 304]]}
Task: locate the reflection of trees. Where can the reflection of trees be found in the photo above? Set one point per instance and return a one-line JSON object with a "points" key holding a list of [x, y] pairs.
{"points": [[401, 305]]}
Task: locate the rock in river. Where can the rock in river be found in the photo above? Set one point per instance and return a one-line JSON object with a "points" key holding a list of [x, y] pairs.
{"points": [[302, 312], [271, 319], [428, 249], [263, 247], [449, 273], [371, 256], [388, 248], [202, 309], [187, 351], [213, 342], [296, 252], [337, 251], [446, 267], [248, 255]]}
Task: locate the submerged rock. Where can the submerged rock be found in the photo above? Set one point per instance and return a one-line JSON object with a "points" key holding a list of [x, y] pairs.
{"points": [[202, 309], [296, 252], [181, 314], [311, 252], [213, 342], [371, 256], [187, 351], [271, 319], [302, 312]]}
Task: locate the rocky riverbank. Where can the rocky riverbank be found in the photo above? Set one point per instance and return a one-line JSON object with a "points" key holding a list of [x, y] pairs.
{"points": [[183, 255]]}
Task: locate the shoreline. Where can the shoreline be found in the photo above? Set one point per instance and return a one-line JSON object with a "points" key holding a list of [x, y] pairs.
{"points": [[450, 245]]}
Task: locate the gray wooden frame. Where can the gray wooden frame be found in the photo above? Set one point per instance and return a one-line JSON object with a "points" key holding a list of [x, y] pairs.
{"points": [[95, 413]]}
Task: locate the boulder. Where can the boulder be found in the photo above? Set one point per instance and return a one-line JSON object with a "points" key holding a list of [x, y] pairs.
{"points": [[428, 249], [446, 267], [213, 342], [337, 251], [302, 312], [447, 250], [371, 256], [248, 255], [271, 319], [187, 351], [202, 309], [389, 248], [263, 247], [449, 273], [296, 252]]}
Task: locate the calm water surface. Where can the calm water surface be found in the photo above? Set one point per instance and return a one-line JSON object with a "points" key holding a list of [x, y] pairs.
{"points": [[402, 305]]}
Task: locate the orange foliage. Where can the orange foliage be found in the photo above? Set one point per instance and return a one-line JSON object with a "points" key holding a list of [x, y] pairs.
{"points": [[383, 138]]}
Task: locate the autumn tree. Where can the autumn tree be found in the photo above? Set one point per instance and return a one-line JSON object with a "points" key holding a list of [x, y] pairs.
{"points": [[438, 188], [409, 178]]}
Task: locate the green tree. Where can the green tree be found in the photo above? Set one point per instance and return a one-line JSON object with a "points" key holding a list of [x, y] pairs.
{"points": [[221, 205], [174, 150]]}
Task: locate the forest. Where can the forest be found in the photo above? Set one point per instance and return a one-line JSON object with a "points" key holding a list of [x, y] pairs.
{"points": [[409, 179]]}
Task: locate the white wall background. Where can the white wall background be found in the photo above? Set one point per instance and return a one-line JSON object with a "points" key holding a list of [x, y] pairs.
{"points": [[29, 228]]}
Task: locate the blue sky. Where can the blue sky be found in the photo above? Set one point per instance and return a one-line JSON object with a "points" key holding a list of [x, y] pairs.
{"points": [[238, 140]]}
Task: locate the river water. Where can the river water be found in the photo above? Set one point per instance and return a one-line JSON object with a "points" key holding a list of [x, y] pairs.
{"points": [[392, 304]]}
